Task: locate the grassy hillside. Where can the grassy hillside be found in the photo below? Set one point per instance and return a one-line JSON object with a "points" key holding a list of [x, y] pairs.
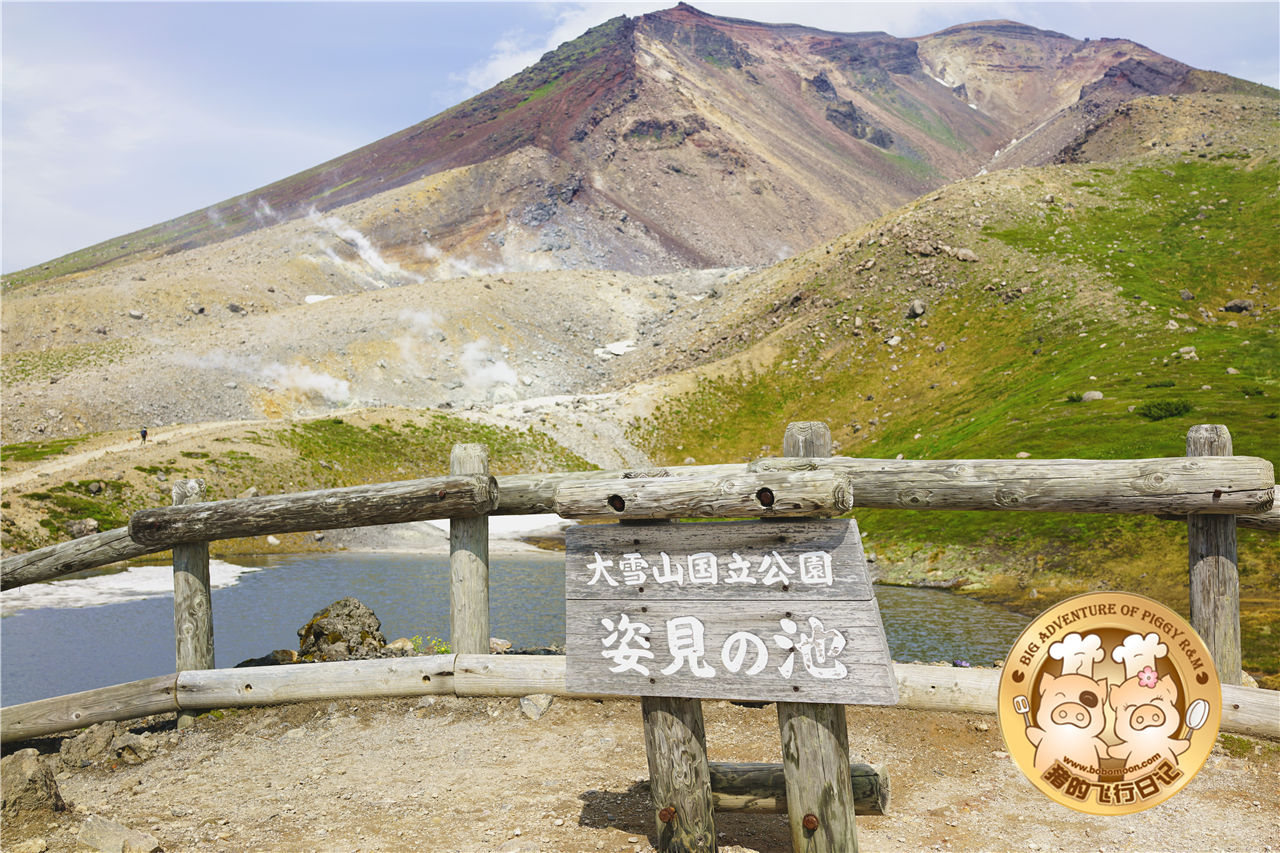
{"points": [[369, 446], [1085, 278]]}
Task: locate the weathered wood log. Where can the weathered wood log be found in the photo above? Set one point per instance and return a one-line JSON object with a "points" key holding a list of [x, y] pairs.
{"points": [[1211, 559], [1245, 710], [192, 597], [355, 506], [302, 682], [815, 737], [1269, 520], [761, 787], [87, 552], [675, 743], [530, 494], [747, 495], [1239, 484], [1245, 484], [118, 702], [469, 561]]}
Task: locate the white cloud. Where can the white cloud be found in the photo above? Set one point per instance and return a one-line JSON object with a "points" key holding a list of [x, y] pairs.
{"points": [[93, 150]]}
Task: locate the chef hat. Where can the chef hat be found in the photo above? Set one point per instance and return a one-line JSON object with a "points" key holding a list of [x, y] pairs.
{"points": [[1078, 653], [1138, 652]]}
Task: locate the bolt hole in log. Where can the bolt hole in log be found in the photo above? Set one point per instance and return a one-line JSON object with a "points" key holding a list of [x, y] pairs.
{"points": [[616, 503], [765, 496], [667, 815], [811, 822], [248, 688], [425, 679]]}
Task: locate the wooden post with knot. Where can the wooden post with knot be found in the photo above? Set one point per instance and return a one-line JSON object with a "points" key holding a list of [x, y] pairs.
{"points": [[192, 599]]}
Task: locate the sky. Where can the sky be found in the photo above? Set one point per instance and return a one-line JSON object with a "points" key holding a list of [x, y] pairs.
{"points": [[117, 116]]}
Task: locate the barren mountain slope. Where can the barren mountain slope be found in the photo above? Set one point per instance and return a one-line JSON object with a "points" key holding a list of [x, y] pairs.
{"points": [[679, 139]]}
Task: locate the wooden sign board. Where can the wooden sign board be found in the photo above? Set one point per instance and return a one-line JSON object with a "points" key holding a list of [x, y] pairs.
{"points": [[767, 611]]}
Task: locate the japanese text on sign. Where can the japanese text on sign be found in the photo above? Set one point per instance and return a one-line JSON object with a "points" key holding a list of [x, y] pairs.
{"points": [[627, 644], [812, 567]]}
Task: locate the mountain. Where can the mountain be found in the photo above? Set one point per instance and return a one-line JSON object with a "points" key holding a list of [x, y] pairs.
{"points": [[681, 140]]}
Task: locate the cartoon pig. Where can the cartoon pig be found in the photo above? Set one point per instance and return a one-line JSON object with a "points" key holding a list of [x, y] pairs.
{"points": [[1146, 719], [1068, 722]]}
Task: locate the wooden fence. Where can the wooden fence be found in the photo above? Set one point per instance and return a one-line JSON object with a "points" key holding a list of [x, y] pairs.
{"points": [[1210, 490]]}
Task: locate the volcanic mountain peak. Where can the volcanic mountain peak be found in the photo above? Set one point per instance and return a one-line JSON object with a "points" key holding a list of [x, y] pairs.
{"points": [[679, 139]]}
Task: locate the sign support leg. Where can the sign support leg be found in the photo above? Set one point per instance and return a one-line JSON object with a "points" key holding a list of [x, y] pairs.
{"points": [[815, 737], [679, 778]]}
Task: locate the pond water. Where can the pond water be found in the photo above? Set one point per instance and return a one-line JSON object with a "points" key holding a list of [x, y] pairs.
{"points": [[73, 635]]}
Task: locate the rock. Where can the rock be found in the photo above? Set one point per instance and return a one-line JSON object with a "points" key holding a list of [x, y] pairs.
{"points": [[88, 746], [916, 309], [231, 384], [31, 845], [251, 492], [272, 541], [1091, 396], [1239, 306], [276, 658], [344, 629], [1171, 326], [966, 255], [135, 314], [1022, 454], [111, 837], [536, 705], [404, 644], [1231, 371], [498, 645], [96, 488], [81, 527], [28, 785], [196, 309], [236, 309], [1186, 295], [940, 348], [133, 748]]}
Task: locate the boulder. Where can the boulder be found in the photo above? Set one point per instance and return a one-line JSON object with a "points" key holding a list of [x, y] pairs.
{"points": [[536, 705], [81, 527], [1091, 396], [1239, 306], [28, 785], [344, 630], [916, 309], [111, 837], [132, 748], [88, 746]]}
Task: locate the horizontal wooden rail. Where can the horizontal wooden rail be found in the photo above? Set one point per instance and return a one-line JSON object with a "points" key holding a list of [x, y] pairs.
{"points": [[355, 506], [741, 495], [1168, 487], [87, 552], [1180, 485], [1246, 710], [1269, 520], [748, 786]]}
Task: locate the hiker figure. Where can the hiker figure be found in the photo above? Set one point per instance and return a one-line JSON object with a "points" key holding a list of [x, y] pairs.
{"points": [[144, 435]]}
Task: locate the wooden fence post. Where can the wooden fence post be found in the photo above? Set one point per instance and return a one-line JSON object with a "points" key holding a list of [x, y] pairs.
{"points": [[1211, 558], [469, 563], [815, 737], [192, 599]]}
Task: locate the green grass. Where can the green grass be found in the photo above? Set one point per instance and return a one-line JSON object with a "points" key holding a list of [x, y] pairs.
{"points": [[339, 453], [34, 451]]}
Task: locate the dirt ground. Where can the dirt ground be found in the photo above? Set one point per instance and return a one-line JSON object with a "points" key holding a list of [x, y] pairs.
{"points": [[453, 774]]}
